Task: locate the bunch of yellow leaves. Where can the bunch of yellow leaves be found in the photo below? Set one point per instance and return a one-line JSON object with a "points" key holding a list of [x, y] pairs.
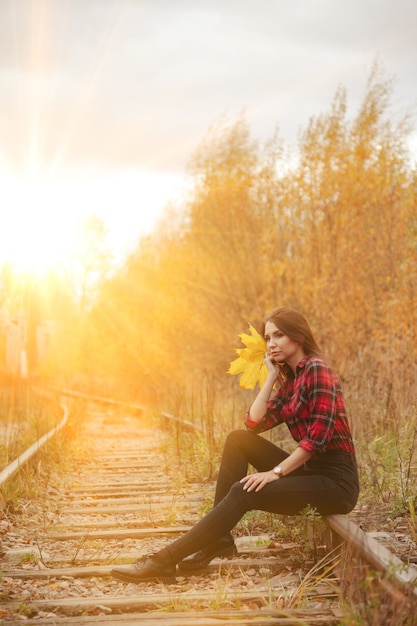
{"points": [[250, 362]]}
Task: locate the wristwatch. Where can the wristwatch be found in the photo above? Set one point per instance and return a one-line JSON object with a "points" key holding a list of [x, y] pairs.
{"points": [[278, 471]]}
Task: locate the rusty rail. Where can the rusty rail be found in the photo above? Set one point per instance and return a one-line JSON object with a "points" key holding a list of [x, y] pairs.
{"points": [[26, 456]]}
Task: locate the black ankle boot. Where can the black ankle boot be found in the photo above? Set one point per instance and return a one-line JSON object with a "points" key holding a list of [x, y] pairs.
{"points": [[223, 548], [148, 569]]}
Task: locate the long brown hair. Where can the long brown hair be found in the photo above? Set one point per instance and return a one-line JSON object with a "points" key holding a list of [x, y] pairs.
{"points": [[293, 324]]}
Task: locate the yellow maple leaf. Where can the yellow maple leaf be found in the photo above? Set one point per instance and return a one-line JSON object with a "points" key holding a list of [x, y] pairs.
{"points": [[250, 361]]}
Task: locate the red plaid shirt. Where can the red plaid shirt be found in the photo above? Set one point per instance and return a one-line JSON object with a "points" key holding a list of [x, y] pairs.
{"points": [[313, 408]]}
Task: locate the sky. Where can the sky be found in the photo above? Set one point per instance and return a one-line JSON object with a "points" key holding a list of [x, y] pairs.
{"points": [[103, 102]]}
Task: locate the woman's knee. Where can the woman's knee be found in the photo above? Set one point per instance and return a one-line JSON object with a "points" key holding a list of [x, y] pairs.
{"points": [[239, 437], [237, 496], [232, 440]]}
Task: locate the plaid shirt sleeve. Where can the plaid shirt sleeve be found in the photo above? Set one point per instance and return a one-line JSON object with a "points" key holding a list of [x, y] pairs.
{"points": [[272, 416]]}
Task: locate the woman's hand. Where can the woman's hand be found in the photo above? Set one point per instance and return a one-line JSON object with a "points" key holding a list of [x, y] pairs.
{"points": [[256, 482], [272, 367]]}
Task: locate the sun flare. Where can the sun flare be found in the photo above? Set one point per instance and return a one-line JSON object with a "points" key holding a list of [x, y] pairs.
{"points": [[35, 234], [41, 221]]}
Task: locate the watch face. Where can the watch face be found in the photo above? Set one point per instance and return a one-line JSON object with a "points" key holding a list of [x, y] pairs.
{"points": [[277, 470]]}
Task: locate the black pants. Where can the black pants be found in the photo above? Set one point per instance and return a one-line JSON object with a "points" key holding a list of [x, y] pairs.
{"points": [[330, 484]]}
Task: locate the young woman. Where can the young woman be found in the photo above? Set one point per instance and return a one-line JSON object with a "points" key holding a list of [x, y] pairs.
{"points": [[320, 472]]}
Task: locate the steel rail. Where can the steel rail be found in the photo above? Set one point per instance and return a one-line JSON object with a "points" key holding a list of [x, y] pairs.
{"points": [[14, 467], [376, 554]]}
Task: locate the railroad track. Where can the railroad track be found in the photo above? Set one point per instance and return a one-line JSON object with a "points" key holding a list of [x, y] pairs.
{"points": [[122, 499]]}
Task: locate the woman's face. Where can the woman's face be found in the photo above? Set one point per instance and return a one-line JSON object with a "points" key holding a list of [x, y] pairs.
{"points": [[280, 347]]}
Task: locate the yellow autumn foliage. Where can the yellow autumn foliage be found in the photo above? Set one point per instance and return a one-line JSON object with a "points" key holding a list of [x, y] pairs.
{"points": [[329, 230]]}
